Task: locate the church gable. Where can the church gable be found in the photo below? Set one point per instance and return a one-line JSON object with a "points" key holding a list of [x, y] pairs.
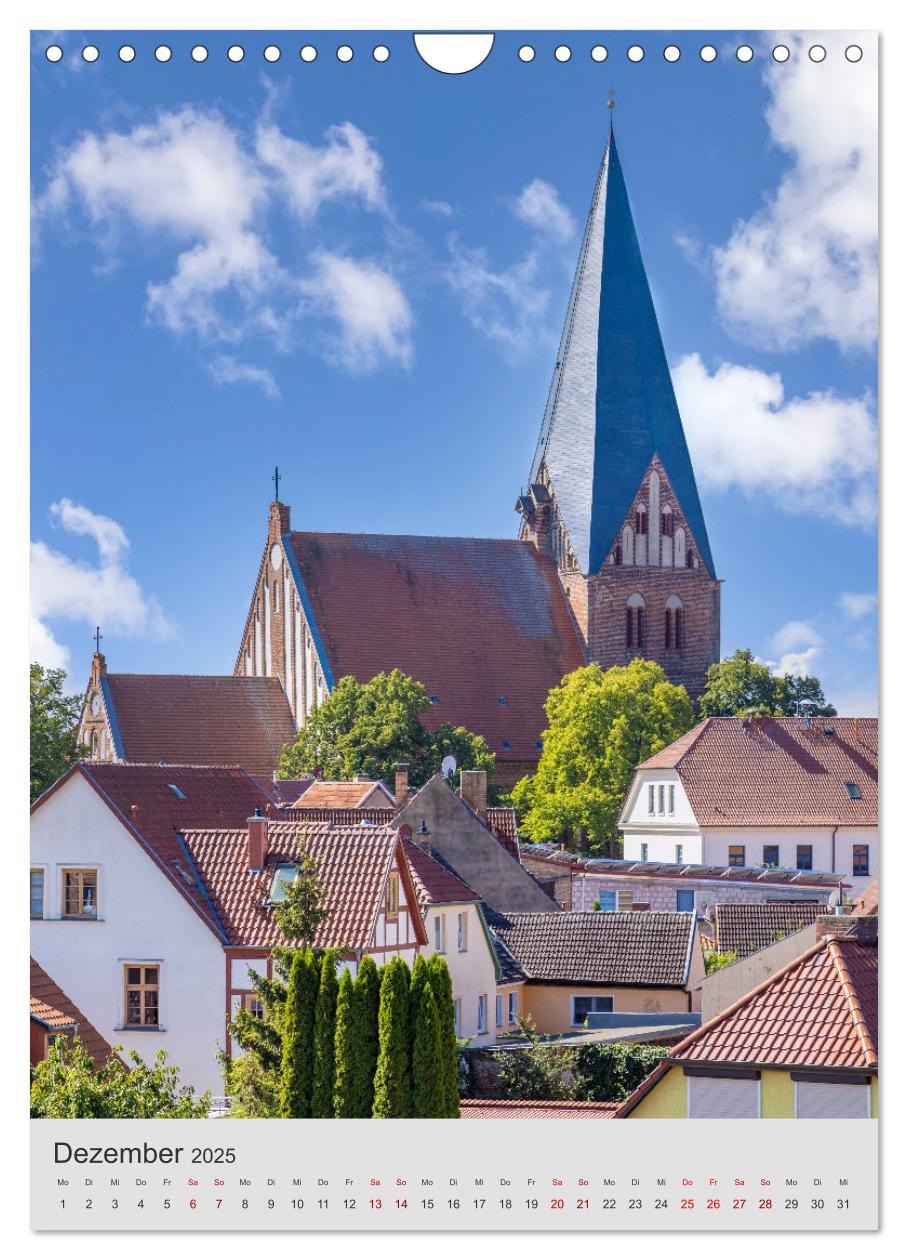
{"points": [[655, 532]]}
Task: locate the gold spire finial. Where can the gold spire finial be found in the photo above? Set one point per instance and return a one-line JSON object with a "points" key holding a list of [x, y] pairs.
{"points": [[611, 106]]}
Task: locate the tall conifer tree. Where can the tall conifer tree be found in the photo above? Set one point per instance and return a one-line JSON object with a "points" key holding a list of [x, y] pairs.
{"points": [[345, 1051], [297, 1036], [429, 1101], [393, 1087], [365, 1006], [440, 980], [325, 1010]]}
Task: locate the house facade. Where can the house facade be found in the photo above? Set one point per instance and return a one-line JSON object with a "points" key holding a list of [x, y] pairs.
{"points": [[778, 793]]}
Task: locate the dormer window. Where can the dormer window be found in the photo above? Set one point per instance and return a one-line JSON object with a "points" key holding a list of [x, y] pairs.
{"points": [[285, 873], [853, 791], [80, 894]]}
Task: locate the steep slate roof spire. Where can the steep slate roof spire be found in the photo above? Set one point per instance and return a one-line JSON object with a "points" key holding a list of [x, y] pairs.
{"points": [[611, 404]]}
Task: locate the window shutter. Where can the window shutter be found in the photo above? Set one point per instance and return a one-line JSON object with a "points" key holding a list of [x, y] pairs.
{"points": [[722, 1098], [820, 1100]]}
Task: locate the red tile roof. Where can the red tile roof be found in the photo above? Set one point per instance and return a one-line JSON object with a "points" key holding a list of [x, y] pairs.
{"points": [[435, 884], [201, 720], [777, 771], [746, 928], [476, 620], [502, 822], [303, 814], [143, 799], [49, 1006], [529, 1109], [282, 791], [869, 900], [353, 865], [339, 794], [591, 947]]}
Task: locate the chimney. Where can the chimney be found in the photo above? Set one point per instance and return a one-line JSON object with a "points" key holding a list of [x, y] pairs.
{"points": [[474, 790], [258, 840], [401, 784], [423, 838]]}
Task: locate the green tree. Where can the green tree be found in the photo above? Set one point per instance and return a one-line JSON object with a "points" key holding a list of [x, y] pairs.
{"points": [[67, 1085], [367, 728], [419, 978], [393, 1084], [608, 1073], [440, 980], [297, 1029], [53, 718], [365, 1006], [540, 1069], [602, 724], [741, 684], [428, 1084], [303, 907], [324, 1036], [345, 1050], [715, 960]]}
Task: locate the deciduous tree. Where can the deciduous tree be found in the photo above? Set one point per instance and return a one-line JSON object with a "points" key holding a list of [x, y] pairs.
{"points": [[53, 721], [741, 684]]}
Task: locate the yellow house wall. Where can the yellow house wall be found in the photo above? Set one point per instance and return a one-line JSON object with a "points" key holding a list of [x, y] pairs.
{"points": [[874, 1098], [667, 1100], [502, 991], [550, 1004], [776, 1095]]}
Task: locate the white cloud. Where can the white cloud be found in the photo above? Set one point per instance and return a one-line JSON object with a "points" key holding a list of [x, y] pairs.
{"points": [[508, 306], [540, 206], [228, 371], [105, 593], [814, 454], [443, 209], [803, 266], [856, 606], [796, 634], [196, 185], [798, 645], [345, 166], [372, 314], [798, 664]]}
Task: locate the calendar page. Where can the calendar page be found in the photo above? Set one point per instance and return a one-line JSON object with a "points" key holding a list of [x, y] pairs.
{"points": [[453, 664]]}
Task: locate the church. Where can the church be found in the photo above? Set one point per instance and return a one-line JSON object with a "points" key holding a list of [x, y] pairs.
{"points": [[611, 561]]}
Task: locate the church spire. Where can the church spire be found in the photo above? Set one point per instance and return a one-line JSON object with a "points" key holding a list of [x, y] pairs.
{"points": [[611, 404]]}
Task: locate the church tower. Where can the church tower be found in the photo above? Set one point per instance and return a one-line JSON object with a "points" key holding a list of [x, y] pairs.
{"points": [[612, 496]]}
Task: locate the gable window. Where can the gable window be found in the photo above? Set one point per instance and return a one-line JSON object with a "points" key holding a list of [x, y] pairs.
{"points": [[254, 1005], [668, 523], [684, 900], [853, 791], [860, 859], [142, 993], [736, 855], [482, 1013], [770, 855], [690, 557], [644, 853], [581, 1006], [80, 894], [652, 798], [37, 892], [661, 798], [462, 932], [512, 1007], [392, 896], [635, 628], [640, 521], [618, 554], [671, 800], [439, 933], [499, 1010], [804, 857], [679, 854]]}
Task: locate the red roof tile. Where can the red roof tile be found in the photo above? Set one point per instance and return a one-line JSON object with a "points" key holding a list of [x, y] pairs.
{"points": [[49, 1006], [529, 1109], [201, 720], [434, 883], [353, 865], [776, 770], [339, 794], [502, 823], [476, 620]]}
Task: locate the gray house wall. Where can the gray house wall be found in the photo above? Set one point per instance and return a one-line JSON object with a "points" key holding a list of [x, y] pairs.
{"points": [[725, 986], [464, 843]]}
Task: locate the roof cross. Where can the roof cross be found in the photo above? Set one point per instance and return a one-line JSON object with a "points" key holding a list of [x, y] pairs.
{"points": [[277, 480], [611, 106], [98, 637]]}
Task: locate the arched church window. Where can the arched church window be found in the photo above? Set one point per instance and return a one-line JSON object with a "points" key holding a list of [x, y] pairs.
{"points": [[668, 522], [674, 615], [680, 547], [636, 622], [640, 519], [690, 557], [618, 553]]}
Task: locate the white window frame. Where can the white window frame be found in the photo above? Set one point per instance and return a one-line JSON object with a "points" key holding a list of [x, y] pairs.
{"points": [[594, 997], [661, 798], [482, 1013], [462, 933], [671, 799], [440, 941], [679, 854], [42, 871], [651, 799], [644, 852], [512, 1006], [499, 1010], [125, 963]]}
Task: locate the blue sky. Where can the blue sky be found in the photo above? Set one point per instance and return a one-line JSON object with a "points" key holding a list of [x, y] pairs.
{"points": [[359, 271]]}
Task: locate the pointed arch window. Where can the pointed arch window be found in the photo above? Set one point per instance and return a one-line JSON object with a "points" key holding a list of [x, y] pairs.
{"points": [[674, 624], [635, 634], [640, 520], [668, 523], [619, 555], [690, 557]]}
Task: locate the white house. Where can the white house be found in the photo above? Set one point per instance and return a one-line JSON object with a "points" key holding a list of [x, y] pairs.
{"points": [[152, 890], [792, 793]]}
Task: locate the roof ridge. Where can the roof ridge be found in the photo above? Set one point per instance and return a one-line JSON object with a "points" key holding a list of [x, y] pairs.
{"points": [[347, 533], [851, 996]]}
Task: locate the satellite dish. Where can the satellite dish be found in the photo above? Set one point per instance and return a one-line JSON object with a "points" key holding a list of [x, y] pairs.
{"points": [[448, 766]]}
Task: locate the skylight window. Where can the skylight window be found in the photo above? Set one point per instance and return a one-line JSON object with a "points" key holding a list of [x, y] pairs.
{"points": [[181, 796], [284, 874], [853, 791]]}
